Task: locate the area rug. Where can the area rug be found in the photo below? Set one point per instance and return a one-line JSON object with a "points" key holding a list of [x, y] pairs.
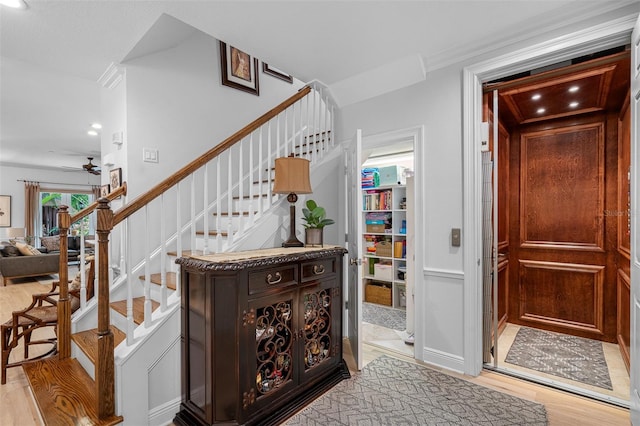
{"points": [[389, 391], [561, 355], [395, 319]]}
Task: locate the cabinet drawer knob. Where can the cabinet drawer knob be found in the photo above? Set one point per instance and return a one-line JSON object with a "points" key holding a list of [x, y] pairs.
{"points": [[318, 269], [274, 279]]}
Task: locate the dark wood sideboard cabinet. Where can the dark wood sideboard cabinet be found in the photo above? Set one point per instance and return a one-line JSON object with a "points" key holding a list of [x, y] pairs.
{"points": [[261, 333]]}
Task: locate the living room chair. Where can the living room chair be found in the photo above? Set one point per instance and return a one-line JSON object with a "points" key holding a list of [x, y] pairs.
{"points": [[42, 312]]}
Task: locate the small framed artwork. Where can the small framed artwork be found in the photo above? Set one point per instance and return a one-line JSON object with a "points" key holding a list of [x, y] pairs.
{"points": [[115, 177], [105, 190], [275, 72], [5, 210], [239, 69]]}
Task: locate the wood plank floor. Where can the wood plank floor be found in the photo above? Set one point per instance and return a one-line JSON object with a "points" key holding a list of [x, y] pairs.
{"points": [[19, 409]]}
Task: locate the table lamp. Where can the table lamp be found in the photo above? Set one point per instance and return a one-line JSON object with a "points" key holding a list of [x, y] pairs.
{"points": [[292, 178]]}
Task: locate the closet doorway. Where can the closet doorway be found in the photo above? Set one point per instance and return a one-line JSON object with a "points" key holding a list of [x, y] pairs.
{"points": [[556, 290], [388, 310]]}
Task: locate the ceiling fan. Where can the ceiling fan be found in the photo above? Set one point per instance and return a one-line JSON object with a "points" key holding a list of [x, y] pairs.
{"points": [[90, 167]]}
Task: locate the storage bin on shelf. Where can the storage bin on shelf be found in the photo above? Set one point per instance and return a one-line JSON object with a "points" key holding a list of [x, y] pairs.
{"points": [[376, 292], [384, 248], [383, 271], [392, 175]]}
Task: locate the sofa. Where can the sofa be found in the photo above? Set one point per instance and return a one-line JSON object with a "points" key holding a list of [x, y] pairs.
{"points": [[52, 245], [14, 264]]}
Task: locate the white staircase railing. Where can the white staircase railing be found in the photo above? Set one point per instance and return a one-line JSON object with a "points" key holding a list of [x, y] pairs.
{"points": [[214, 205]]}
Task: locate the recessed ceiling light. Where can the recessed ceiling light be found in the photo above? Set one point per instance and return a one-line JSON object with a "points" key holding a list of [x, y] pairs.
{"points": [[574, 104], [540, 110], [573, 89], [16, 4], [92, 133], [536, 97], [97, 126]]}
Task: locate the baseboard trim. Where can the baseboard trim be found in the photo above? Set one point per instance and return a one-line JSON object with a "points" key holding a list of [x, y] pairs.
{"points": [[164, 414], [444, 360]]}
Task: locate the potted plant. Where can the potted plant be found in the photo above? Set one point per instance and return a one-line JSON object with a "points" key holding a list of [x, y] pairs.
{"points": [[315, 220]]}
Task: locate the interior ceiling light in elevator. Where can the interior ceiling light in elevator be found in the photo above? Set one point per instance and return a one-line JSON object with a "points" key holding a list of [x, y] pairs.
{"points": [[587, 86]]}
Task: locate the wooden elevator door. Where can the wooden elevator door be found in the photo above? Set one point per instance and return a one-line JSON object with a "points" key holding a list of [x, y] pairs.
{"points": [[562, 244]]}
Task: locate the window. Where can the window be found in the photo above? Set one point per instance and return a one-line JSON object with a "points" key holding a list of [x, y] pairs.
{"points": [[50, 202]]}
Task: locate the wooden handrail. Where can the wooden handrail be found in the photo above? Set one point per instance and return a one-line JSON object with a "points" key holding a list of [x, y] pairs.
{"points": [[166, 184], [121, 190]]}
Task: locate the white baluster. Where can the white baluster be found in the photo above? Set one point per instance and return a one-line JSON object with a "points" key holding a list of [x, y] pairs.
{"points": [[163, 255], [205, 206], [147, 273], [178, 232], [251, 195], [260, 158], [230, 238], [218, 206], [193, 211], [240, 188], [130, 323], [268, 177]]}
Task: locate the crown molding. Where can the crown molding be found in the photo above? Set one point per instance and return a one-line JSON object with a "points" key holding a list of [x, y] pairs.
{"points": [[563, 20]]}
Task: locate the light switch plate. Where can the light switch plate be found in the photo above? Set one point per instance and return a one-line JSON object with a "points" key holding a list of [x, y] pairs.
{"points": [[150, 155], [455, 237]]}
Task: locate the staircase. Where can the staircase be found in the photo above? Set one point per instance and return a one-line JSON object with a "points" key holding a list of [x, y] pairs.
{"points": [[119, 356]]}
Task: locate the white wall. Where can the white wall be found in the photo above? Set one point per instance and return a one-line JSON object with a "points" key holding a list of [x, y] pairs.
{"points": [[177, 104], [435, 103], [51, 179]]}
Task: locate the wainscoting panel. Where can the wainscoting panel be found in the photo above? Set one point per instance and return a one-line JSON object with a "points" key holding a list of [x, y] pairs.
{"points": [[563, 294], [562, 188]]}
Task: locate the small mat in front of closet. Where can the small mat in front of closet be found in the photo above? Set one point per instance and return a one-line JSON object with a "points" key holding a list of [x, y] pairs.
{"points": [[395, 319], [561, 355]]}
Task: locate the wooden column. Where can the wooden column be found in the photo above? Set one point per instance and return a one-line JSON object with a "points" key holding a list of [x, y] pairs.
{"points": [[64, 304], [105, 383]]}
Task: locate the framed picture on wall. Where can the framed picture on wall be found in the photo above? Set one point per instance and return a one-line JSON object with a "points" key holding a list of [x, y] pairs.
{"points": [[239, 69], [5, 210], [275, 72], [105, 190], [115, 178]]}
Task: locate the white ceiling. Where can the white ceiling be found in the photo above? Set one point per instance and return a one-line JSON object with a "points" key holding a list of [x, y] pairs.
{"points": [[53, 53]]}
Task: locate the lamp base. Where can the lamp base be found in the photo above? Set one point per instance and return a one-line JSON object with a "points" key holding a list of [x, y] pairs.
{"points": [[293, 241]]}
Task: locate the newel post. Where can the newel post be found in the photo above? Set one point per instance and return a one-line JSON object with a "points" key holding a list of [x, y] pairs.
{"points": [[104, 372], [64, 304]]}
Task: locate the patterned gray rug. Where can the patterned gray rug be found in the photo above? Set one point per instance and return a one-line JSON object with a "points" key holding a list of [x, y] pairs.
{"points": [[561, 355], [389, 391], [383, 316]]}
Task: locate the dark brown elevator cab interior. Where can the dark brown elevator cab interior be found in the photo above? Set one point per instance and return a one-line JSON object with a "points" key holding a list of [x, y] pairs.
{"points": [[563, 199]]}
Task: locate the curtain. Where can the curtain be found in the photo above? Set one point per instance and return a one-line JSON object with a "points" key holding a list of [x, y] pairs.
{"points": [[95, 190], [31, 208]]}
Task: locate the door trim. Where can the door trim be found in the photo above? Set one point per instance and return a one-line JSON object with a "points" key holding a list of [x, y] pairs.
{"points": [[600, 37]]}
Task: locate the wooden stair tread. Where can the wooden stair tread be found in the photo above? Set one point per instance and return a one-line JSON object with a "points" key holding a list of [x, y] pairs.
{"points": [[247, 197], [138, 308], [234, 213], [213, 233], [87, 341], [157, 279], [65, 393]]}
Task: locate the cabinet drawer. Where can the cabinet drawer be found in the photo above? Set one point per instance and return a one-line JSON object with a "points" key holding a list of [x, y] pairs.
{"points": [[318, 269], [277, 277]]}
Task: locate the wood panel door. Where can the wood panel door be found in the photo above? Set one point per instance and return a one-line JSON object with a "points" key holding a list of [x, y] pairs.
{"points": [[562, 245]]}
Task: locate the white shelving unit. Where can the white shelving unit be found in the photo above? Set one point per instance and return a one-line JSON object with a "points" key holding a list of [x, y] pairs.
{"points": [[384, 245]]}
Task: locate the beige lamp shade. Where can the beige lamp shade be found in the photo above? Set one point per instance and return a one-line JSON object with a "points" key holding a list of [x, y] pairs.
{"points": [[15, 232], [292, 176]]}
